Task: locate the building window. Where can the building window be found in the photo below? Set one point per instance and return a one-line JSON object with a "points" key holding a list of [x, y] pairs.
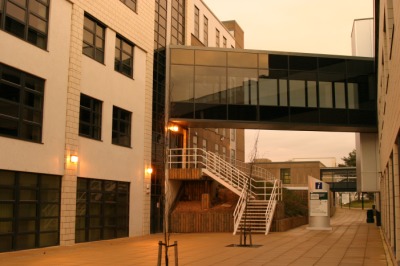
{"points": [[178, 22], [21, 104], [224, 41], [285, 175], [102, 210], [90, 117], [26, 20], [29, 210], [216, 148], [121, 127], [223, 152], [93, 38], [196, 22], [130, 3], [123, 57], [233, 134], [205, 31], [217, 41]]}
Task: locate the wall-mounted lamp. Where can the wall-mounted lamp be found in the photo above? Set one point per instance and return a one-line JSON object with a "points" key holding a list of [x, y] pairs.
{"points": [[174, 128], [74, 159], [149, 170]]}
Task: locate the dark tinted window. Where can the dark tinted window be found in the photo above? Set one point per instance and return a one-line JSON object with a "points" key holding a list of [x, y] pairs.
{"points": [[26, 20], [93, 38], [90, 117], [21, 104]]}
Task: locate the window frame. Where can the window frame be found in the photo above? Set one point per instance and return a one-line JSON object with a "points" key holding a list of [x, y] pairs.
{"points": [[96, 51], [285, 175], [101, 196], [22, 97], [27, 31], [134, 3], [117, 135], [205, 31], [119, 49], [94, 125], [196, 22], [35, 211]]}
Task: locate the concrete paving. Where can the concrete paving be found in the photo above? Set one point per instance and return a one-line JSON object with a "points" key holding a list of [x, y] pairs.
{"points": [[351, 241]]}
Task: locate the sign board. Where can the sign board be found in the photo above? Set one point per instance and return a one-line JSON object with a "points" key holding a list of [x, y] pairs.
{"points": [[318, 185], [319, 204]]}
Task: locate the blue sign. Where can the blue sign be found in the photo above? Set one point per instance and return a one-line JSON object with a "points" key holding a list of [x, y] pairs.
{"points": [[318, 185]]}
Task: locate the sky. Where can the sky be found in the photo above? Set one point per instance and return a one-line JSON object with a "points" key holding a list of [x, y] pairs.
{"points": [[304, 26]]}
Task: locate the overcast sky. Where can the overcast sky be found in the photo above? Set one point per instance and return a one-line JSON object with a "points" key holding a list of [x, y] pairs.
{"points": [[305, 26]]}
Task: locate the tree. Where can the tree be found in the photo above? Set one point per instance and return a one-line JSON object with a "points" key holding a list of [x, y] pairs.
{"points": [[349, 161]]}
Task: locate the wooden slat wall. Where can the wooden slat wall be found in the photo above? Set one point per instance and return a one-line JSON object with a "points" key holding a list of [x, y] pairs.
{"points": [[185, 174], [185, 222]]}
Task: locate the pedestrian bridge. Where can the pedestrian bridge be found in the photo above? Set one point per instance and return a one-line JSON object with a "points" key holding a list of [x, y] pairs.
{"points": [[214, 87]]}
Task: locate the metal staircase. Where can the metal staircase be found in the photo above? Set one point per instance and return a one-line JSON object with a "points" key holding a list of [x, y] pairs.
{"points": [[257, 189]]}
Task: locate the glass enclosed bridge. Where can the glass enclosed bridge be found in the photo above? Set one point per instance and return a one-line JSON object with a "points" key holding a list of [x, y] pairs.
{"points": [[213, 87]]}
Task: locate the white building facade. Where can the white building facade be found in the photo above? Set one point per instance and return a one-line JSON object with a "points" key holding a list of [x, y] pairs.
{"points": [[76, 81]]}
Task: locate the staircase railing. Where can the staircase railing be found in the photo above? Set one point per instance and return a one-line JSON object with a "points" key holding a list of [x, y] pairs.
{"points": [[261, 186], [239, 209], [269, 213]]}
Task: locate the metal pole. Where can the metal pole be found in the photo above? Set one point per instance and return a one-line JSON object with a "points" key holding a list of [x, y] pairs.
{"points": [[159, 253], [176, 252]]}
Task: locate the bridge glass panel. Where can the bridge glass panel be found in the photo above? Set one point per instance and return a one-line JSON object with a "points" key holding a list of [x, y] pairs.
{"points": [[325, 94], [210, 58], [242, 86], [340, 95], [297, 89], [242, 60], [210, 85], [312, 94]]}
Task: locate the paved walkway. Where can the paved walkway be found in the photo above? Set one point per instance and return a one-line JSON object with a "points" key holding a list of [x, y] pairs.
{"points": [[351, 242]]}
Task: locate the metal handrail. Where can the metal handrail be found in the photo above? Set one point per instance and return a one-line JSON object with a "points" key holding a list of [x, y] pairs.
{"points": [[270, 206], [239, 209]]}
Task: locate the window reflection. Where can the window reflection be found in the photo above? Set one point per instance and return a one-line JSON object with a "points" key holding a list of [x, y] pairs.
{"points": [[297, 93], [340, 96], [325, 94], [210, 85], [352, 95], [242, 86], [181, 84], [268, 91], [312, 93]]}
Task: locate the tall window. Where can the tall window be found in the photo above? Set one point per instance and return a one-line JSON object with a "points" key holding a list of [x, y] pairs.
{"points": [[123, 57], [90, 117], [93, 38], [224, 41], [29, 210], [121, 127], [21, 104], [27, 20], [285, 175], [102, 209], [196, 22], [205, 31], [217, 41], [178, 22], [130, 3], [233, 157]]}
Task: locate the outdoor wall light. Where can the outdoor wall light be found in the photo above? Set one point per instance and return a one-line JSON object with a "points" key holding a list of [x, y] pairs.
{"points": [[74, 159], [174, 128], [149, 170]]}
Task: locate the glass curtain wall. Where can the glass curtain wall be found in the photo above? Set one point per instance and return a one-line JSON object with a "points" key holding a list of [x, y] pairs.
{"points": [[177, 36], [254, 86]]}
